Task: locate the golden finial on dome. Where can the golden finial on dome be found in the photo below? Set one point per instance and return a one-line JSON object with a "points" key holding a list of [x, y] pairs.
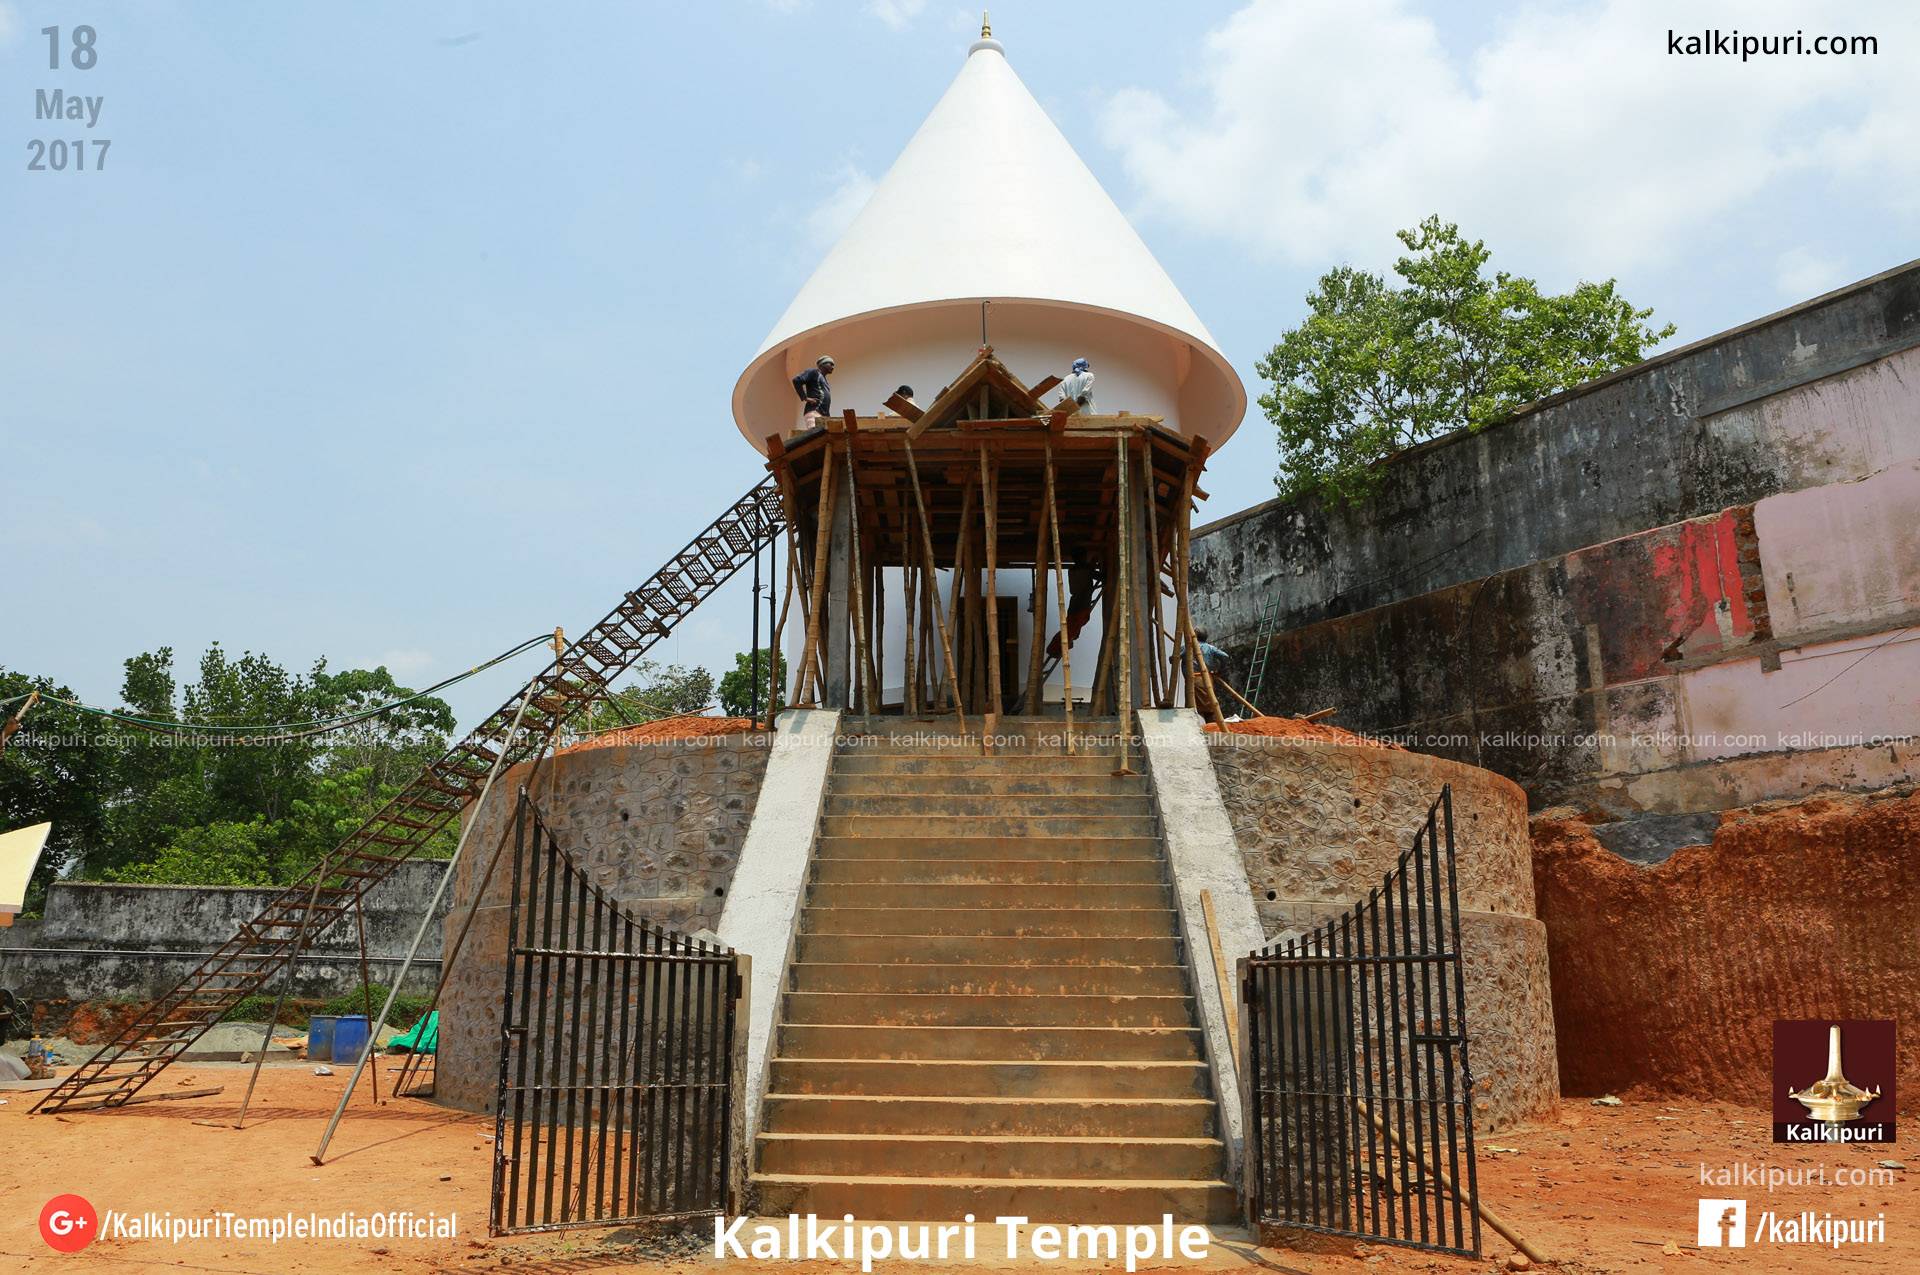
{"points": [[986, 27]]}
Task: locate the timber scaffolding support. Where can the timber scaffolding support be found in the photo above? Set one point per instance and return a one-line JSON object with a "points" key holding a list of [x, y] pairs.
{"points": [[984, 483], [518, 731]]}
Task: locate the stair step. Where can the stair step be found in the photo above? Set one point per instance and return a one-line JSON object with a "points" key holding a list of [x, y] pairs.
{"points": [[993, 894], [981, 979], [961, 1156], [933, 1009], [869, 761], [979, 805], [904, 825], [968, 1078], [987, 950], [991, 1044], [991, 1117], [1037, 784], [1079, 872], [1007, 922], [924, 847], [902, 1199]]}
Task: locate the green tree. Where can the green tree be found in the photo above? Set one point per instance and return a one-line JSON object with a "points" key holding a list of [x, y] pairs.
{"points": [[653, 691], [1378, 367], [58, 767], [186, 804], [736, 688]]}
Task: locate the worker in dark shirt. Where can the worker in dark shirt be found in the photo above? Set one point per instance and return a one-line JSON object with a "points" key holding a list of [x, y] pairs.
{"points": [[816, 396]]}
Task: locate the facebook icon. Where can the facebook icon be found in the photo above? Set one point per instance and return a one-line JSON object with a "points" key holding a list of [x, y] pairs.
{"points": [[1723, 1224]]}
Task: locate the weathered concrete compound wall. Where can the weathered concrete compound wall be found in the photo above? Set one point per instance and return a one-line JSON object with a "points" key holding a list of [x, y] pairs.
{"points": [[1320, 824], [657, 825], [1647, 597], [135, 942]]}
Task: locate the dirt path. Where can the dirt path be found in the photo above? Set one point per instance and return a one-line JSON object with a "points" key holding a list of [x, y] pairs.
{"points": [[1603, 1189]]}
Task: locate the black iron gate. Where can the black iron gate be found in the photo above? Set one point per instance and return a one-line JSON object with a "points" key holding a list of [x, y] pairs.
{"points": [[618, 1060], [1360, 1100]]}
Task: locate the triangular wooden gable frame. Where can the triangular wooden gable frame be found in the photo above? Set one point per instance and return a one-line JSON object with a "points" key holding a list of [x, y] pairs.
{"points": [[985, 369]]}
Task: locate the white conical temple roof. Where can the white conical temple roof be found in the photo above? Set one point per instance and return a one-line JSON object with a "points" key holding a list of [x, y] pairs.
{"points": [[989, 202]]}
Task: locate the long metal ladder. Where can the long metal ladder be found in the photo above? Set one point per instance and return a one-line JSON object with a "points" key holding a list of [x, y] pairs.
{"points": [[301, 913], [1262, 646]]}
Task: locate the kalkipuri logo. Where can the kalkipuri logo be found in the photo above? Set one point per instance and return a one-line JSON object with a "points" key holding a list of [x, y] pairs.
{"points": [[68, 1223], [1833, 1081]]}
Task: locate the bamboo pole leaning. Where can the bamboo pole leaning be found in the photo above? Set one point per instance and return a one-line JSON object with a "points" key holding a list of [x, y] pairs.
{"points": [[1124, 607], [926, 546], [990, 526], [1060, 591], [857, 590]]}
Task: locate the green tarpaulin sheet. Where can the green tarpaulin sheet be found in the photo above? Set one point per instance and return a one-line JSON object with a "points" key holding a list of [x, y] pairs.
{"points": [[423, 1039]]}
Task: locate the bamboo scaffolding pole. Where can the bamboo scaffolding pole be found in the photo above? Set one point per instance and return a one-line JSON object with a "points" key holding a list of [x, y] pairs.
{"points": [[1156, 628], [909, 587], [1182, 654], [926, 535], [1126, 607], [857, 591], [1196, 664], [990, 534], [1060, 592], [929, 659], [822, 541], [959, 597], [1030, 702]]}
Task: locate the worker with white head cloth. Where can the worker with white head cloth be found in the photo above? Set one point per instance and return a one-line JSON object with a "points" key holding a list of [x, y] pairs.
{"points": [[1078, 387]]}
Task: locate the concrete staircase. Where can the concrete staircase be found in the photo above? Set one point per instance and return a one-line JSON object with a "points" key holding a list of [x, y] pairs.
{"points": [[987, 1009]]}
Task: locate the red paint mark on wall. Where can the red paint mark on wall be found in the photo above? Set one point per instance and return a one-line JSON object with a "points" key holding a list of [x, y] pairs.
{"points": [[1699, 571]]}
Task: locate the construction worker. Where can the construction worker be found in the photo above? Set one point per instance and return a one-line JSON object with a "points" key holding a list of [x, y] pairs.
{"points": [[1216, 659], [1082, 579], [816, 396], [1078, 387]]}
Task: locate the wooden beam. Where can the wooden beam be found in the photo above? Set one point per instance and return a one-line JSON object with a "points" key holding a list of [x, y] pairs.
{"points": [[909, 410]]}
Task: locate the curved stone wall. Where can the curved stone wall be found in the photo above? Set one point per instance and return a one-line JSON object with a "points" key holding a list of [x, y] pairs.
{"points": [[1320, 823], [658, 825]]}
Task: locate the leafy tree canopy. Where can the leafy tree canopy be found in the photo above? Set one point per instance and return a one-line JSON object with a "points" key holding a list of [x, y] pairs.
{"points": [[653, 691], [188, 805], [1378, 367], [736, 688]]}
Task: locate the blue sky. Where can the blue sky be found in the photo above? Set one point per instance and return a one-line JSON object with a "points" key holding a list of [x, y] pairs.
{"points": [[399, 333]]}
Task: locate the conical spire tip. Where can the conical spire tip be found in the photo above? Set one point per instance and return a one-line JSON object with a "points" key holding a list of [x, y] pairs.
{"points": [[986, 40]]}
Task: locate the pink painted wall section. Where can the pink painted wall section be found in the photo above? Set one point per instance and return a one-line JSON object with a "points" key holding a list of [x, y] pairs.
{"points": [[1843, 555], [1840, 427], [1857, 691]]}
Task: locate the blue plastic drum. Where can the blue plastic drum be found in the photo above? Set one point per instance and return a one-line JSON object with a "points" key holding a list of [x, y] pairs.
{"points": [[349, 1038]]}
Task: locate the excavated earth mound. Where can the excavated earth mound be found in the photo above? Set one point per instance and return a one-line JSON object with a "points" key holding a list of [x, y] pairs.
{"points": [[1667, 979]]}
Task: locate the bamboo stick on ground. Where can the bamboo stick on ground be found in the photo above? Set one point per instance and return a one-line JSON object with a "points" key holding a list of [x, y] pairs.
{"points": [[1487, 1215]]}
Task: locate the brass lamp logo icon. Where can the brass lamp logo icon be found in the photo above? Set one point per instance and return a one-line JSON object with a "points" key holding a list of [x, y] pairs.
{"points": [[1833, 1099]]}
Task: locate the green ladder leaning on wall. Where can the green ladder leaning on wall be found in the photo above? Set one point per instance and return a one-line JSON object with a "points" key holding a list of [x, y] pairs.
{"points": [[1262, 645]]}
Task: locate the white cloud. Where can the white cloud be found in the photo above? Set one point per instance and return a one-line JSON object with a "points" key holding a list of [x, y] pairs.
{"points": [[830, 218], [1320, 126], [9, 21], [1805, 272], [896, 13]]}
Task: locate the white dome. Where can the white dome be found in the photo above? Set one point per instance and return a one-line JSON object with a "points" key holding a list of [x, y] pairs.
{"points": [[990, 202]]}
